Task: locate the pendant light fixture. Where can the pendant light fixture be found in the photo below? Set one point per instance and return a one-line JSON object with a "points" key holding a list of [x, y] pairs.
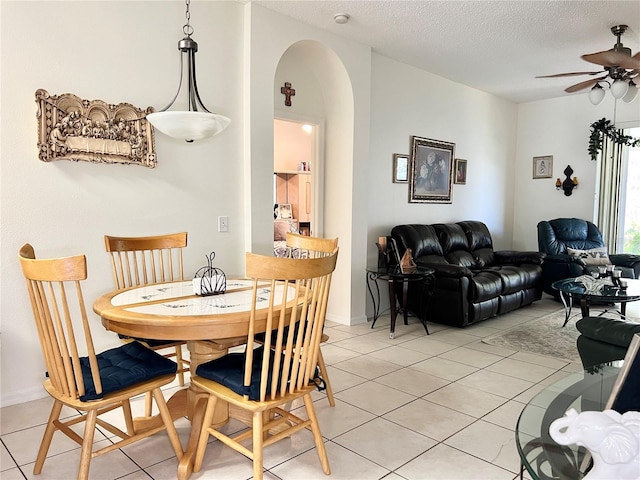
{"points": [[197, 122]]}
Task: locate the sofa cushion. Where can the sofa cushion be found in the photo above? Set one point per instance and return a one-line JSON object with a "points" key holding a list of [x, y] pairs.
{"points": [[454, 245], [484, 286], [513, 279], [421, 239], [479, 242]]}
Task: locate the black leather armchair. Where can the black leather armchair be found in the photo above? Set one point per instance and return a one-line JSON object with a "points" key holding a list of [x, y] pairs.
{"points": [[555, 236], [604, 339]]}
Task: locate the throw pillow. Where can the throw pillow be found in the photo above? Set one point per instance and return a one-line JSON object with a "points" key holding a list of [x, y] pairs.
{"points": [[594, 256]]}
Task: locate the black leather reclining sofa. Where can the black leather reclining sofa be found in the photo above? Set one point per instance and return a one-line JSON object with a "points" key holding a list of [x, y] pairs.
{"points": [[472, 281]]}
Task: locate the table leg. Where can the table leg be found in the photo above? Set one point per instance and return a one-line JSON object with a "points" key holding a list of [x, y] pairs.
{"points": [[394, 311], [567, 307], [374, 299], [405, 291], [202, 352], [623, 310], [584, 307]]}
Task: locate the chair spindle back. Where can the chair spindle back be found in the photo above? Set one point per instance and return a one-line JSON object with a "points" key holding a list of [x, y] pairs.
{"points": [[303, 286], [144, 260], [56, 299]]}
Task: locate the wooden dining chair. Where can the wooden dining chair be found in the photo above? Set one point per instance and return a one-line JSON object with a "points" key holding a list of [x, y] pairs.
{"points": [[139, 261], [303, 246], [98, 382], [263, 380]]}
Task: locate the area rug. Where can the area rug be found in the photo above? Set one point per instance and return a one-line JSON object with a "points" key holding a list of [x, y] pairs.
{"points": [[543, 336]]}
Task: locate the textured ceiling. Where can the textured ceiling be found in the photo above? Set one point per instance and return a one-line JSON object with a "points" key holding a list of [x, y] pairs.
{"points": [[494, 46]]}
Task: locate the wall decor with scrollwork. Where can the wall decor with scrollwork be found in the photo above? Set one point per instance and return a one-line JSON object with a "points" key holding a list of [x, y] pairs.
{"points": [[70, 128]]}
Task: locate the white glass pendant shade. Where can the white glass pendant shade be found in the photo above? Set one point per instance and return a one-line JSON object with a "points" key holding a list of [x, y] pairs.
{"points": [[631, 94], [596, 95], [187, 125], [619, 88], [197, 122]]}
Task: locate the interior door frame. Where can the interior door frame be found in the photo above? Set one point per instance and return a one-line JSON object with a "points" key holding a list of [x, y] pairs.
{"points": [[317, 165]]}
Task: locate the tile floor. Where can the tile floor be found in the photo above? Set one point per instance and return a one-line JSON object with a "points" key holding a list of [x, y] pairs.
{"points": [[442, 406]]}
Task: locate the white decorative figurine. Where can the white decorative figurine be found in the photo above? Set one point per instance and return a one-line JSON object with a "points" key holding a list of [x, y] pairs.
{"points": [[612, 439]]}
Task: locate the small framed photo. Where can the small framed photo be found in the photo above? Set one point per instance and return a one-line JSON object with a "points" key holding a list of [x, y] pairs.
{"points": [[283, 211], [543, 167], [400, 168], [461, 172]]}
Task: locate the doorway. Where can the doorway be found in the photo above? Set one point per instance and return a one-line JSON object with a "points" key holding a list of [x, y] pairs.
{"points": [[298, 174]]}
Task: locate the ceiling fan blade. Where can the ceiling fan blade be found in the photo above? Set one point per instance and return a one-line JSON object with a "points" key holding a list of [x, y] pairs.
{"points": [[583, 85], [570, 74], [611, 58]]}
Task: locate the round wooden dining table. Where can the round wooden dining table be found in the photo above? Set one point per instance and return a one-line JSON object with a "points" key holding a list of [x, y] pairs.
{"points": [[209, 324]]}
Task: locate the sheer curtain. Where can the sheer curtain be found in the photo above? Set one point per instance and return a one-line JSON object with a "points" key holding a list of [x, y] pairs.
{"points": [[610, 186]]}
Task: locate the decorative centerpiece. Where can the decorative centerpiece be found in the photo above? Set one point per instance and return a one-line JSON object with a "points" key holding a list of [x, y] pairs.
{"points": [[612, 440], [209, 280]]}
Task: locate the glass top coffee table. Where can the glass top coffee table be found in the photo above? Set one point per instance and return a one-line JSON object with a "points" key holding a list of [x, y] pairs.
{"points": [[570, 289], [543, 458]]}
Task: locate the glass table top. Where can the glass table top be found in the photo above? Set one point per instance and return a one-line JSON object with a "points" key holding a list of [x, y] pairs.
{"points": [[394, 271], [543, 458], [609, 293]]}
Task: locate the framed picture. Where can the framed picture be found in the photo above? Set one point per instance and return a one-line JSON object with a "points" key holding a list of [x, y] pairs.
{"points": [[543, 167], [461, 172], [400, 168], [283, 211], [431, 171]]}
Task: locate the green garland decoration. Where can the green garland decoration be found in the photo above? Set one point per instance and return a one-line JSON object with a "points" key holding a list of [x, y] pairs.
{"points": [[602, 128]]}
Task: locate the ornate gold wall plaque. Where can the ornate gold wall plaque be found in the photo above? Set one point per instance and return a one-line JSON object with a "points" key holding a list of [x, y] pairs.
{"points": [[70, 128]]}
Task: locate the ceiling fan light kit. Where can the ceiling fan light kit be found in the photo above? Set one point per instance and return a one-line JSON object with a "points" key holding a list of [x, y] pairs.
{"points": [[596, 95], [621, 72]]}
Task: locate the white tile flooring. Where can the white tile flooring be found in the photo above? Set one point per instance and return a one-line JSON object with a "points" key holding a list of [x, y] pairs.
{"points": [[442, 406]]}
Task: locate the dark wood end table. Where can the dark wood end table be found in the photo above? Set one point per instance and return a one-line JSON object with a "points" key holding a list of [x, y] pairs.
{"points": [[393, 275]]}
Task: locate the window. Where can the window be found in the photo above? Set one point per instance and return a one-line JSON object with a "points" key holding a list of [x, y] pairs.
{"points": [[629, 240]]}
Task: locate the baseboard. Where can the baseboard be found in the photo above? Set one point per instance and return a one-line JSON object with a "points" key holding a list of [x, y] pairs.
{"points": [[23, 396], [347, 321]]}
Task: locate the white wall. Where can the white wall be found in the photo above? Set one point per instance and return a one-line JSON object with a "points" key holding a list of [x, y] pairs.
{"points": [[65, 208], [407, 101], [558, 127], [341, 64]]}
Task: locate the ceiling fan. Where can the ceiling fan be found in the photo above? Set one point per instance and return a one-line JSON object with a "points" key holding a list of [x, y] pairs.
{"points": [[621, 72]]}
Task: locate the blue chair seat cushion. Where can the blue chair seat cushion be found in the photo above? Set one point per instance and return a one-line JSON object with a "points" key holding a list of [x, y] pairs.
{"points": [[123, 367], [229, 371]]}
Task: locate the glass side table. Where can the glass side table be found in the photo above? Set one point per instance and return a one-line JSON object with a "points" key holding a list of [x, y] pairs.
{"points": [[540, 456], [393, 275]]}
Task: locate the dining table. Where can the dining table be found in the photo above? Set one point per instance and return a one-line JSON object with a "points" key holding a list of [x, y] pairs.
{"points": [[209, 324]]}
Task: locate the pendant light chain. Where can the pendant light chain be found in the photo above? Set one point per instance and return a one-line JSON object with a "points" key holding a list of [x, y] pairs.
{"points": [[187, 29]]}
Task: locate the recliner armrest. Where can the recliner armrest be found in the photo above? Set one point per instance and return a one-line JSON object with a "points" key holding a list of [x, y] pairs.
{"points": [[624, 259], [608, 330], [511, 257], [564, 258], [449, 270]]}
